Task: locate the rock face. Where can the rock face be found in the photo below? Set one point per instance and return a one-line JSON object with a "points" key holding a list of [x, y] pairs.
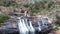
{"points": [[7, 10], [55, 32]]}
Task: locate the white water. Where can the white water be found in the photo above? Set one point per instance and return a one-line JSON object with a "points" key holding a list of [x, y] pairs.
{"points": [[32, 30], [22, 27], [39, 24], [44, 22], [25, 24], [26, 14]]}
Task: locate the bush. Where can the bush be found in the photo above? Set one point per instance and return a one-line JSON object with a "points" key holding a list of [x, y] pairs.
{"points": [[7, 3], [3, 17], [34, 11], [51, 3], [58, 20]]}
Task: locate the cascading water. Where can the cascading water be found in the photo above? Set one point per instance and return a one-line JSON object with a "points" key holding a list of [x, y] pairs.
{"points": [[22, 27], [44, 22], [32, 30], [39, 24], [25, 24], [29, 24]]}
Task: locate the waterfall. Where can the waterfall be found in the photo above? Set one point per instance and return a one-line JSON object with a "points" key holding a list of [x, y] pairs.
{"points": [[32, 30], [22, 27], [44, 22], [39, 24], [25, 24], [29, 26]]}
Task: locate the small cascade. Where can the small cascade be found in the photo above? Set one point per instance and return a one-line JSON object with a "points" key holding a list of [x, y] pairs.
{"points": [[32, 30], [22, 27], [44, 22], [39, 24], [25, 25]]}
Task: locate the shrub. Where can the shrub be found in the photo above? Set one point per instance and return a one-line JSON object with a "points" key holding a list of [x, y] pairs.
{"points": [[58, 20], [7, 3], [3, 17], [34, 11]]}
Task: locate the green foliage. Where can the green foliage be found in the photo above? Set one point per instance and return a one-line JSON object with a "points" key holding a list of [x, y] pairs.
{"points": [[58, 20], [15, 10], [38, 6], [50, 4], [34, 11], [57, 23], [57, 3], [27, 5], [3, 17], [56, 27], [7, 3]]}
